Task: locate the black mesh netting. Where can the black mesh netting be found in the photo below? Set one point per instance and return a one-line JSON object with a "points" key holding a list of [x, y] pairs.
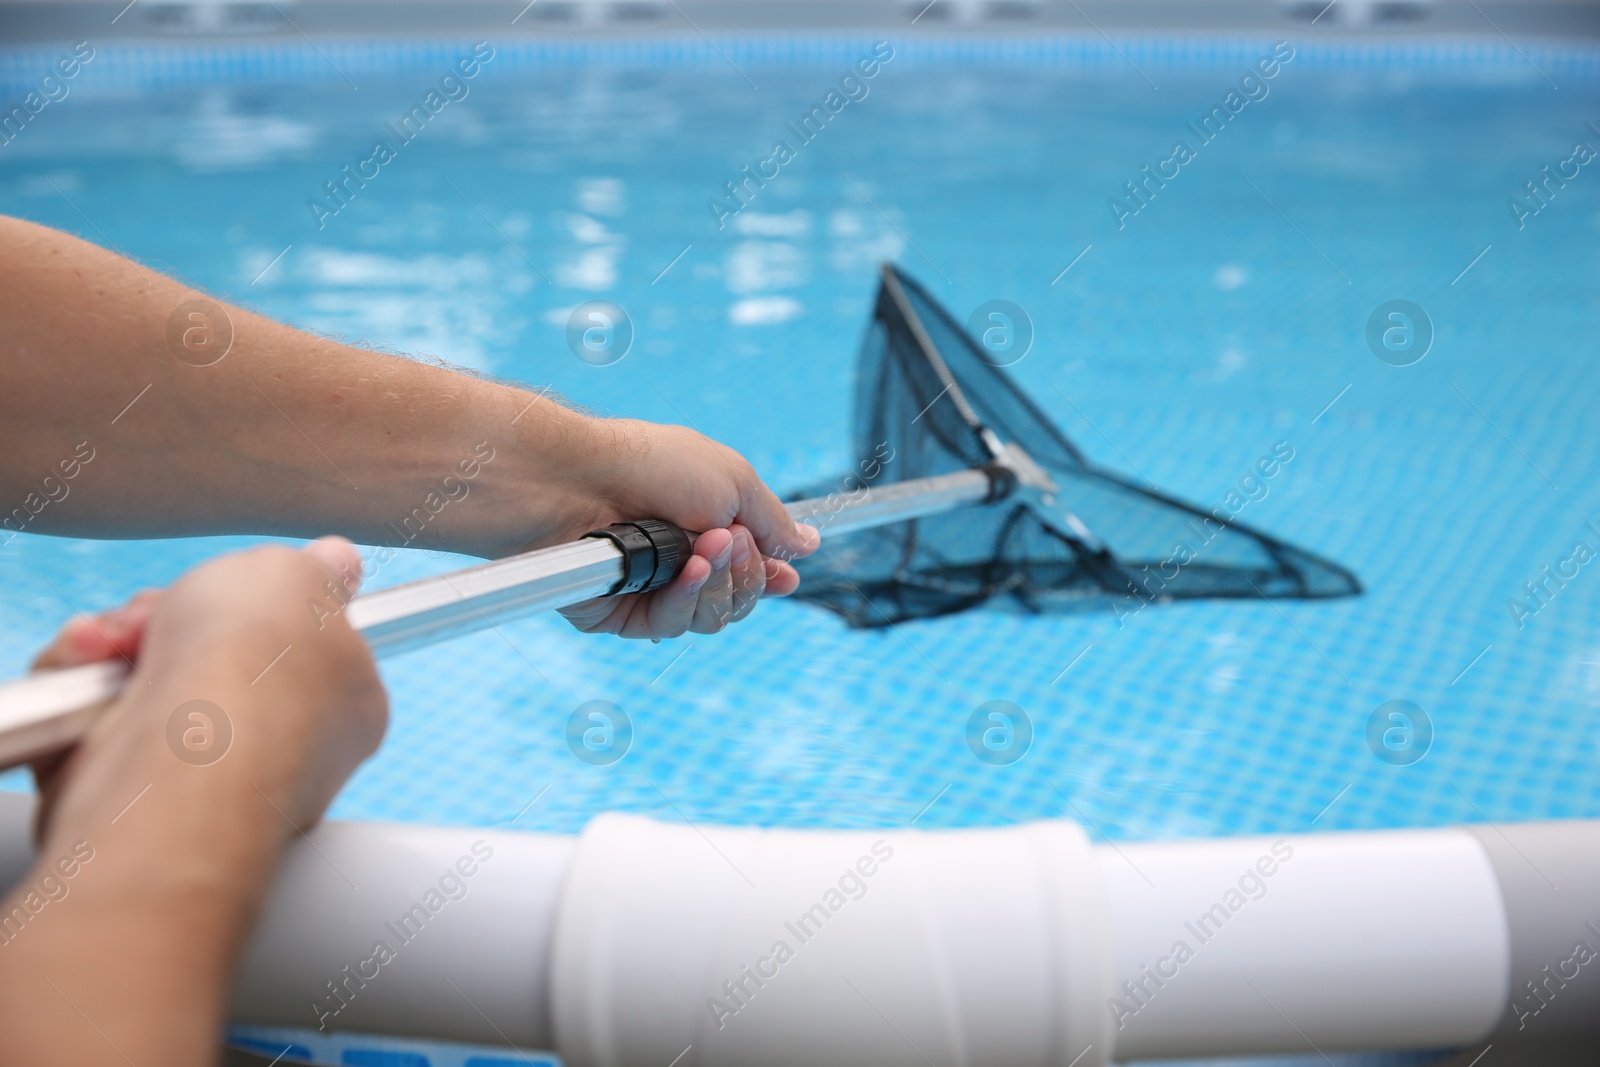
{"points": [[922, 413]]}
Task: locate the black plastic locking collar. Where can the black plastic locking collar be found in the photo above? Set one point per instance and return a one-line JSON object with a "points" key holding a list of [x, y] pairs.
{"points": [[653, 552]]}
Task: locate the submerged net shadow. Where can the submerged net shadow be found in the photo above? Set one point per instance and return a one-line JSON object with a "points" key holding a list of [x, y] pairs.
{"points": [[921, 413]]}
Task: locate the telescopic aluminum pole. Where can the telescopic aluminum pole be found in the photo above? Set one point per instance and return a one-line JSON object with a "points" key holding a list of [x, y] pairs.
{"points": [[51, 709]]}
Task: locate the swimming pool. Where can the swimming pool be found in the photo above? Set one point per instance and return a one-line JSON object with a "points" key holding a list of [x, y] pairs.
{"points": [[1179, 342]]}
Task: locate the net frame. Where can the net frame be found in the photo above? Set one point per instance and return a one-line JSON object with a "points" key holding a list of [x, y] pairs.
{"points": [[928, 395]]}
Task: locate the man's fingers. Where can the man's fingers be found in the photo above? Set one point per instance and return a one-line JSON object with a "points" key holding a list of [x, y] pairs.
{"points": [[748, 573], [669, 612], [677, 609], [79, 641], [713, 605], [721, 583], [118, 633], [782, 579], [113, 634]]}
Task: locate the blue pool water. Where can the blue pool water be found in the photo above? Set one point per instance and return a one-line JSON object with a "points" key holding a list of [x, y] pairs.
{"points": [[1228, 315]]}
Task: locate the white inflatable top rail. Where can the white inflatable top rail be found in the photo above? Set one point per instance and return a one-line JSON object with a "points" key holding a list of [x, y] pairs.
{"points": [[647, 943]]}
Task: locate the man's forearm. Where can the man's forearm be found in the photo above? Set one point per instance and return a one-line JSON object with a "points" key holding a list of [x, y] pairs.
{"points": [[129, 959], [284, 433]]}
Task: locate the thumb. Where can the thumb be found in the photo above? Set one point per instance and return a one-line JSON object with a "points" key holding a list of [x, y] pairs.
{"points": [[777, 535], [340, 556]]}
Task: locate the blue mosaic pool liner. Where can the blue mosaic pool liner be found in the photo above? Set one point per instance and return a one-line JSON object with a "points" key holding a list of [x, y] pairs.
{"points": [[135, 67], [362, 1050]]}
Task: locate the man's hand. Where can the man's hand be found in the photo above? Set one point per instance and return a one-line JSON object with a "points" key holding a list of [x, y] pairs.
{"points": [[638, 470], [178, 846], [200, 639]]}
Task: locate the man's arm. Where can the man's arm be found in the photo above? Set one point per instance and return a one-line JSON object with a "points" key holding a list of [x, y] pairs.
{"points": [[286, 433]]}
